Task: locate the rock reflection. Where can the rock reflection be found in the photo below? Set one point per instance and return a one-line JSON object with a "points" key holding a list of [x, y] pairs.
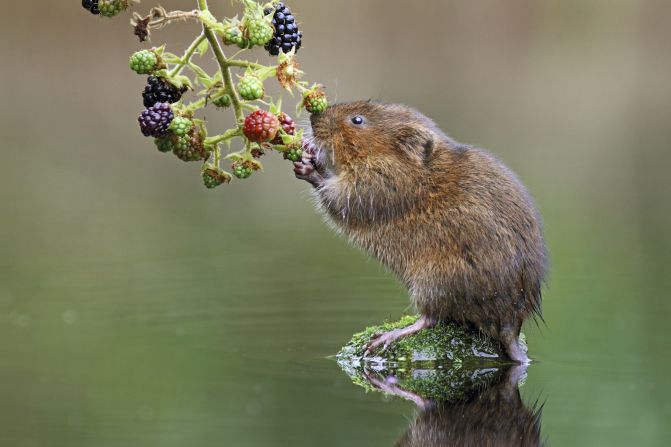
{"points": [[483, 408]]}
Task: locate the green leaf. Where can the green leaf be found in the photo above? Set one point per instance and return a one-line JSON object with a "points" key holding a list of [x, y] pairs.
{"points": [[182, 81], [258, 164], [160, 50], [171, 60], [235, 156], [276, 107], [163, 73], [202, 77], [169, 56], [203, 47]]}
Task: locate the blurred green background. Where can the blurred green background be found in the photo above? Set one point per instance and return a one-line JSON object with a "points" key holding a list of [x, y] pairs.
{"points": [[138, 308]]}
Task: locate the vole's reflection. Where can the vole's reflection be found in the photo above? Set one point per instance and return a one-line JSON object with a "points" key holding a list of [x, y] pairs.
{"points": [[491, 416]]}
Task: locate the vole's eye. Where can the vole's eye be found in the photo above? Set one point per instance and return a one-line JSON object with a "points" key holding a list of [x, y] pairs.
{"points": [[358, 120]]}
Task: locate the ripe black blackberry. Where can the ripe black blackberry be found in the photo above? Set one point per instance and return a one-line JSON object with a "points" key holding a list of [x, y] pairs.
{"points": [[287, 36], [92, 6], [160, 90], [155, 120]]}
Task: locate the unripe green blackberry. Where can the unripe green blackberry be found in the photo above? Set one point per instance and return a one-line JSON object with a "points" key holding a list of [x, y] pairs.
{"points": [[222, 101], [258, 31], [233, 35], [181, 126], [111, 8], [315, 102], [294, 154], [144, 62], [243, 169], [215, 177], [164, 143], [189, 147], [251, 87]]}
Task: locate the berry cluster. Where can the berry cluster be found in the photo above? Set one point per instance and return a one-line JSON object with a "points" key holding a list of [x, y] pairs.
{"points": [[213, 177], [155, 121], [223, 101], [144, 62], [110, 8], [259, 31], [288, 126], [107, 8], [254, 29], [294, 154], [187, 147], [261, 125], [315, 101], [91, 6], [286, 37], [190, 147], [245, 169], [160, 90], [234, 35], [251, 87]]}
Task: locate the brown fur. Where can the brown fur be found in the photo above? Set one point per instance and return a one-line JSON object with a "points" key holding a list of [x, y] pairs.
{"points": [[453, 223]]}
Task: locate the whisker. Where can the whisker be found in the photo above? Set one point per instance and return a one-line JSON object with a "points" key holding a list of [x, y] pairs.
{"points": [[335, 93]]}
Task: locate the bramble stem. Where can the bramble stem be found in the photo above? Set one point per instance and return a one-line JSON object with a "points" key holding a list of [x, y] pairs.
{"points": [[228, 135], [244, 64], [187, 55], [223, 65], [172, 16], [217, 156], [196, 105]]}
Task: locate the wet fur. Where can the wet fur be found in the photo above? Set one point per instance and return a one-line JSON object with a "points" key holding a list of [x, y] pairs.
{"points": [[453, 223]]}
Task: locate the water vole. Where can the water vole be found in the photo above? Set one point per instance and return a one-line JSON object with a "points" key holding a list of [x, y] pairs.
{"points": [[452, 222]]}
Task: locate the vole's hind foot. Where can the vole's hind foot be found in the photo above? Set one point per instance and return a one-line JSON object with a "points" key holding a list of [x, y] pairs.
{"points": [[390, 386], [516, 350], [517, 353], [387, 338]]}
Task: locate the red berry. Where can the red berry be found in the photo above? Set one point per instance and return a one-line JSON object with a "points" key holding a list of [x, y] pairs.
{"points": [[261, 126], [288, 126]]}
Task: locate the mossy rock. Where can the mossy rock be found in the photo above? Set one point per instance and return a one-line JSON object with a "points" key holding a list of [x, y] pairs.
{"points": [[444, 343], [445, 363]]}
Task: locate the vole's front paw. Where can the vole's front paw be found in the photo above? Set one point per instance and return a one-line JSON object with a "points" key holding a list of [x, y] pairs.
{"points": [[306, 170]]}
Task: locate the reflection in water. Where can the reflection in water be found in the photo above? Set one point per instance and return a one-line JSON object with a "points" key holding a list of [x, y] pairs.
{"points": [[490, 415]]}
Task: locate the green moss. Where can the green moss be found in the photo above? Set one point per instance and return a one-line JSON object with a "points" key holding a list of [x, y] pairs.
{"points": [[444, 343], [446, 362]]}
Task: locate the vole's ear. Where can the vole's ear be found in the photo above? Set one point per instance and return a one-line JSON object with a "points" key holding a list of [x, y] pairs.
{"points": [[428, 148], [417, 142]]}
